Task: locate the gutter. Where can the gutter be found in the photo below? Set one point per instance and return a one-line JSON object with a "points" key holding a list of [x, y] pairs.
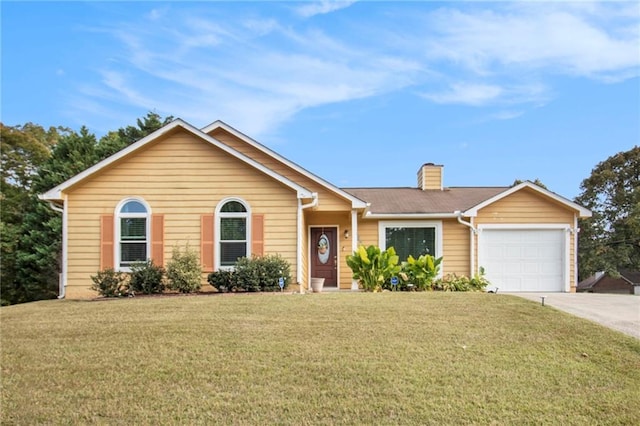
{"points": [[369, 215], [473, 232], [302, 207]]}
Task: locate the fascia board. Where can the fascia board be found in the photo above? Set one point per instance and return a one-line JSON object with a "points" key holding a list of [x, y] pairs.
{"points": [[56, 192], [409, 216], [582, 212], [356, 203]]}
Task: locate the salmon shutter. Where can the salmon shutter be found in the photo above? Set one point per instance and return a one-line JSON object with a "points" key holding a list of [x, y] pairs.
{"points": [[106, 242], [257, 234], [206, 242], [157, 239]]}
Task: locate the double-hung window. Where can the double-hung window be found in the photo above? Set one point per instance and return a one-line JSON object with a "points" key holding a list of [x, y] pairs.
{"points": [[414, 238], [132, 227], [233, 231]]}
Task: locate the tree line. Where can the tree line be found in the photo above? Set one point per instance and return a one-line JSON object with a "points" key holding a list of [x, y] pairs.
{"points": [[35, 159]]}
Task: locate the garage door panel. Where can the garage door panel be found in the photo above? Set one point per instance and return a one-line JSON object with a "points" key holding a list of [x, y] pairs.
{"points": [[523, 259]]}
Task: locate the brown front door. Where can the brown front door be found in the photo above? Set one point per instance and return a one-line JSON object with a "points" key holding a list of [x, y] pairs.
{"points": [[324, 256]]}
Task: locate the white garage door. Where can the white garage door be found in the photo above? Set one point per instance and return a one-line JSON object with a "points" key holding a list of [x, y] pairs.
{"points": [[523, 259]]}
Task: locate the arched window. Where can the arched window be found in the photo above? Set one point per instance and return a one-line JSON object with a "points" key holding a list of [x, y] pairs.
{"points": [[233, 231], [132, 232]]}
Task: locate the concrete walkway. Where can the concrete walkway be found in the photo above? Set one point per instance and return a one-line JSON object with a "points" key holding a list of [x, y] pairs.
{"points": [[617, 311]]}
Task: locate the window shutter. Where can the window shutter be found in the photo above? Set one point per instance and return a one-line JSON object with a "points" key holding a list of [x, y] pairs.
{"points": [[257, 234], [206, 242], [157, 239], [106, 242]]}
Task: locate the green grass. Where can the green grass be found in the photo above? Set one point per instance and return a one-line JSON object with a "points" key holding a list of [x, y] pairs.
{"points": [[349, 358]]}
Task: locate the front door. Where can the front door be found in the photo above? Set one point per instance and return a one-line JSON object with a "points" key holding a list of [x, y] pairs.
{"points": [[324, 256]]}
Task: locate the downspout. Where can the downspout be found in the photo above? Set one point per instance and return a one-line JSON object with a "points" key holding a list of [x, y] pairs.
{"points": [[62, 280], [576, 230], [354, 242], [302, 207], [472, 233]]}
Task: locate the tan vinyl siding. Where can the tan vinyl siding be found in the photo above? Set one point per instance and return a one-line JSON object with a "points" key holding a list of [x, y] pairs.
{"points": [[182, 178], [529, 207], [455, 247], [524, 206], [327, 201], [430, 177], [368, 232]]}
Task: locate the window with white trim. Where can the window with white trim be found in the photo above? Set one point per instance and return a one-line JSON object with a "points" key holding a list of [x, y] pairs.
{"points": [[233, 232], [414, 238], [132, 232]]}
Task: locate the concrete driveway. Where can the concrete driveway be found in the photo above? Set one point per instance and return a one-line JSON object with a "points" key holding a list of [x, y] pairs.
{"points": [[617, 311]]}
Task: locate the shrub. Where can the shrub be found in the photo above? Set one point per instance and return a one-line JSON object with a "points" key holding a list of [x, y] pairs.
{"points": [[109, 283], [257, 273], [261, 273], [420, 272], [146, 277], [223, 280], [373, 268], [183, 271], [462, 283], [272, 268]]}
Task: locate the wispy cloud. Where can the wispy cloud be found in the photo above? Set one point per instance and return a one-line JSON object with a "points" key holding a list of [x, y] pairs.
{"points": [[568, 41], [479, 94], [320, 8], [256, 70]]}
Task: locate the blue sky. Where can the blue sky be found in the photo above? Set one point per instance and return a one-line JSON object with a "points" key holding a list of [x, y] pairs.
{"points": [[360, 93]]}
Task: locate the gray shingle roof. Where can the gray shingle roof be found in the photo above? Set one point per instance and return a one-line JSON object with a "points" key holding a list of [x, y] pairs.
{"points": [[417, 201]]}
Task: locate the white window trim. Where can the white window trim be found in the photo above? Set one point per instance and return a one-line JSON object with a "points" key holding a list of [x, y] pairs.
{"points": [[437, 224], [117, 230], [216, 228]]}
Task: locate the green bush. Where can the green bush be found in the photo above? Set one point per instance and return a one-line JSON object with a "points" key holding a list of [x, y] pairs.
{"points": [[374, 268], [257, 273], [453, 282], [109, 283], [183, 271], [223, 280], [420, 272], [147, 278]]}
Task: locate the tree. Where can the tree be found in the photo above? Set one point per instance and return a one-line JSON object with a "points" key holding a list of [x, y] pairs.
{"points": [[536, 182], [610, 240], [23, 149], [39, 246], [32, 259], [116, 140]]}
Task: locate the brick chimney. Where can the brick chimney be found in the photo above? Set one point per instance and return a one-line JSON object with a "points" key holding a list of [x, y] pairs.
{"points": [[430, 176]]}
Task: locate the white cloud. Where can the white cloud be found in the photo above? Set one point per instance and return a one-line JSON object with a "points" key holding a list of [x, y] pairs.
{"points": [[322, 7], [479, 94], [257, 71], [467, 94], [556, 39], [506, 115]]}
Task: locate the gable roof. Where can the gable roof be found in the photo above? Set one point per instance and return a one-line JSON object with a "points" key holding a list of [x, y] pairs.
{"points": [[582, 212], [56, 192], [355, 201], [418, 203], [631, 277], [415, 202]]}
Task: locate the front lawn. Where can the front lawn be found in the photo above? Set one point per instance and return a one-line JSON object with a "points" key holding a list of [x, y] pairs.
{"points": [[350, 358]]}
